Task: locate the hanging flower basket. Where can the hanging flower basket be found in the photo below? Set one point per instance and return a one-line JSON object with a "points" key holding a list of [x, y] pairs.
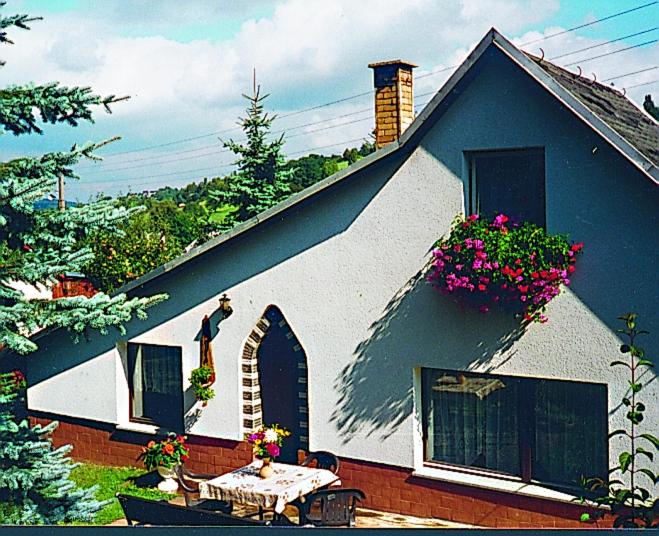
{"points": [[201, 380], [516, 266]]}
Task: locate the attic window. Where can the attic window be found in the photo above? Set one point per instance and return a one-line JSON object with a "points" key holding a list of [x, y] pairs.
{"points": [[510, 181]]}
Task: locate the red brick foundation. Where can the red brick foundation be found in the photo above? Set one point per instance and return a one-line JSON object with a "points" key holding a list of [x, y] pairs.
{"points": [[387, 488], [105, 445]]}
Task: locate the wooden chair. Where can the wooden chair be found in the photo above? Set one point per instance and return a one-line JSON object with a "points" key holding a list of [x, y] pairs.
{"points": [[190, 484], [330, 507], [140, 511], [324, 460]]}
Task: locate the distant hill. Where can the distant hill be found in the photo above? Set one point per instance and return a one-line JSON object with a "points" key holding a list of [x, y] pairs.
{"points": [[45, 204]]}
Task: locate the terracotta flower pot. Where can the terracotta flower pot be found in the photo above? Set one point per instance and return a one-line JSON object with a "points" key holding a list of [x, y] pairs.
{"points": [[266, 470]]}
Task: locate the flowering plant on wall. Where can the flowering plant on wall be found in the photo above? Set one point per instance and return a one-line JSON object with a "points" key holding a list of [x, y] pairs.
{"points": [[499, 262], [166, 453], [267, 441], [201, 380]]}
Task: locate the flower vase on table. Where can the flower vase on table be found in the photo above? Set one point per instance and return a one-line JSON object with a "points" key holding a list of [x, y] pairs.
{"points": [[266, 443], [266, 469]]}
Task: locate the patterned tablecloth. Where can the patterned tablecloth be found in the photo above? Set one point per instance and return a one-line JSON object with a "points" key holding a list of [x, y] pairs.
{"points": [[288, 483]]}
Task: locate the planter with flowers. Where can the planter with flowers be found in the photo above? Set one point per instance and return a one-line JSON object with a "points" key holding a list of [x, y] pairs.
{"points": [[516, 266], [164, 456], [266, 443], [201, 380]]}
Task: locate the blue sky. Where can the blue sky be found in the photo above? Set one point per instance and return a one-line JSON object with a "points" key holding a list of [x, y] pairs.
{"points": [[185, 65]]}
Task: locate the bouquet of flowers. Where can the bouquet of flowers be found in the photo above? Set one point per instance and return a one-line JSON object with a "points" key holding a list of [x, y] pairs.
{"points": [[518, 266], [267, 441], [166, 453], [201, 380]]}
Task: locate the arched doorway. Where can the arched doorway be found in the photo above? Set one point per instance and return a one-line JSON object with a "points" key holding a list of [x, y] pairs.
{"points": [[275, 381]]}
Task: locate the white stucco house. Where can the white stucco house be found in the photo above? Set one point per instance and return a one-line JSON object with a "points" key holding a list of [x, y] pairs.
{"points": [[336, 334]]}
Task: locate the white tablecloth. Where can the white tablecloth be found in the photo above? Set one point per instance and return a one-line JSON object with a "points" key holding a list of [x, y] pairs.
{"points": [[288, 483]]}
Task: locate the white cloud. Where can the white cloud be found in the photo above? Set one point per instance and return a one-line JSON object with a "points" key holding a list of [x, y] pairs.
{"points": [[307, 52]]}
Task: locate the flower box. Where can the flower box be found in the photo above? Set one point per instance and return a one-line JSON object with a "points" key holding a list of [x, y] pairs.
{"points": [[517, 266]]}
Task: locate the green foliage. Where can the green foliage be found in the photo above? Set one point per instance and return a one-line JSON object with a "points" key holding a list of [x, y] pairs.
{"points": [[631, 503], [112, 480], [201, 379], [650, 107], [35, 247], [35, 483], [261, 180]]}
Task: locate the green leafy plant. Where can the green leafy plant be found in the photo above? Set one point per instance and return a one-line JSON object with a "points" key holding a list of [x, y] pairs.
{"points": [[201, 379], [166, 453], [631, 504]]}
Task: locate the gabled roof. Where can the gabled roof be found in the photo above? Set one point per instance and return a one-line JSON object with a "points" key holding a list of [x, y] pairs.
{"points": [[612, 107], [603, 109]]}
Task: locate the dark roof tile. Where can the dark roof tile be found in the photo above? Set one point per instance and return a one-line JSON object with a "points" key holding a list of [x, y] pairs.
{"points": [[610, 106]]}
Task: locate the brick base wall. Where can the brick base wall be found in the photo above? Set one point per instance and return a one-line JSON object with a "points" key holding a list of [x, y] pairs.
{"points": [[387, 488], [105, 445]]}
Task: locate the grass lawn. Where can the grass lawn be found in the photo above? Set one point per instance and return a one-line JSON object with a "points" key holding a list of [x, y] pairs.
{"points": [[111, 480]]}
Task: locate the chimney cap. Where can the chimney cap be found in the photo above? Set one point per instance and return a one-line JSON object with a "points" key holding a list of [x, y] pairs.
{"points": [[402, 63]]}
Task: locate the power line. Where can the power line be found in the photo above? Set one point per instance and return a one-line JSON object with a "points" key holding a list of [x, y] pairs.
{"points": [[602, 44], [611, 53], [588, 24], [431, 73], [123, 179], [629, 74], [643, 84]]}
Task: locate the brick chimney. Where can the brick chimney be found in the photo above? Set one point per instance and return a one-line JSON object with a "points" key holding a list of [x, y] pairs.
{"points": [[394, 99]]}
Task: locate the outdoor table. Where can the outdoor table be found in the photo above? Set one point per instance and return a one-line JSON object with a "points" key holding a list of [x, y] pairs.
{"points": [[287, 483]]}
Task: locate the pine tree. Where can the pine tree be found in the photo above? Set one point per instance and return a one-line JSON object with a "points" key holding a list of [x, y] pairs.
{"points": [[35, 484], [261, 180], [36, 246]]}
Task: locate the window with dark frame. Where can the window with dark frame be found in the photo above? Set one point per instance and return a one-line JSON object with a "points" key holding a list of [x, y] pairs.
{"points": [[549, 431], [155, 382], [510, 181]]}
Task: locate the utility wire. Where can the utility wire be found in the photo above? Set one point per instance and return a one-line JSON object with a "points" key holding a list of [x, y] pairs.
{"points": [[611, 53], [344, 99], [643, 84], [629, 74], [123, 179], [601, 44], [588, 24]]}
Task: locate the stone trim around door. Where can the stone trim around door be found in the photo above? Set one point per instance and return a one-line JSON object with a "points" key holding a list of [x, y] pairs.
{"points": [[252, 413]]}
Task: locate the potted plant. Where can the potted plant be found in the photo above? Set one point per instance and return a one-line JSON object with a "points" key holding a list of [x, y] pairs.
{"points": [[266, 443], [164, 456], [201, 380], [517, 266]]}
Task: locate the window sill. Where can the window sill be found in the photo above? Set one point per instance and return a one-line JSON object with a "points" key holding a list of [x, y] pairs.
{"points": [[493, 483], [138, 427]]}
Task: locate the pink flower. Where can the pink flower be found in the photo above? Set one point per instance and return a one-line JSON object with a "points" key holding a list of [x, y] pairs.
{"points": [[272, 449], [473, 217]]}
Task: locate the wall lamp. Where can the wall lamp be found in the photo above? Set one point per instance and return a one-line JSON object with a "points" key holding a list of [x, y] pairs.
{"points": [[225, 305]]}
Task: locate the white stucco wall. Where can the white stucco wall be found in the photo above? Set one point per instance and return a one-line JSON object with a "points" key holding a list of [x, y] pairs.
{"points": [[344, 270]]}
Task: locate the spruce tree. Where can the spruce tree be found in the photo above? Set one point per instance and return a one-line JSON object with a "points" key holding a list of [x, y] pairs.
{"points": [[35, 247], [261, 180]]}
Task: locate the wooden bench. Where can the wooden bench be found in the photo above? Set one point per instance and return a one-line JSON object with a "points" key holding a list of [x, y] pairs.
{"points": [[140, 511]]}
